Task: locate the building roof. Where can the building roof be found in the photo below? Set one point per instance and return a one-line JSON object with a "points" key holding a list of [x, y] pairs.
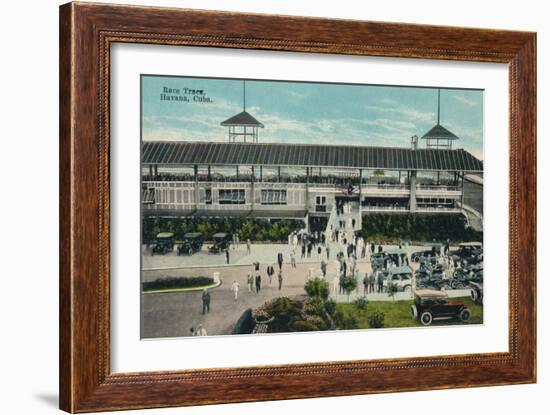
{"points": [[311, 155], [242, 118], [439, 132]]}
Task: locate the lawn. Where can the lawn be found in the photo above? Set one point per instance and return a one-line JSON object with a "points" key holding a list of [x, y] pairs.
{"points": [[398, 314]]}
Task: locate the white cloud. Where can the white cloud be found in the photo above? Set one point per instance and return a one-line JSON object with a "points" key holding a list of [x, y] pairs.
{"points": [[464, 100], [408, 113]]}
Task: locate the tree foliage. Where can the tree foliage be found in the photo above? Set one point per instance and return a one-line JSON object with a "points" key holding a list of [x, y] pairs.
{"points": [[376, 319], [246, 228], [317, 288], [392, 290], [417, 227]]}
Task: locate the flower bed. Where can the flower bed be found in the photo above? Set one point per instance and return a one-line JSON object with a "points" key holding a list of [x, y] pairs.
{"points": [[175, 283]]}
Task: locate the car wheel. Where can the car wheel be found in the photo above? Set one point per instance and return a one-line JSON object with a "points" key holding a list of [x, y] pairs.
{"points": [[426, 318], [454, 285], [473, 295], [407, 289], [465, 314], [414, 312], [416, 259]]}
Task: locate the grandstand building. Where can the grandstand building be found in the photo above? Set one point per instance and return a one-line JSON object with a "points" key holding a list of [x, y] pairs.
{"points": [[306, 181]]}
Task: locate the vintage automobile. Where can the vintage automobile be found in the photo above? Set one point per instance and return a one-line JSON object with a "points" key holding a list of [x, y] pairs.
{"points": [[192, 243], [467, 251], [397, 255], [378, 260], [400, 277], [464, 276], [435, 249], [431, 280], [164, 243], [432, 305], [222, 241], [476, 292]]}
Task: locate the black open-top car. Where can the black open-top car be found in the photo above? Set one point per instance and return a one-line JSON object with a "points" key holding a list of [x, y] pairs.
{"points": [[164, 243], [468, 251], [221, 242], [432, 305], [434, 250], [192, 242]]}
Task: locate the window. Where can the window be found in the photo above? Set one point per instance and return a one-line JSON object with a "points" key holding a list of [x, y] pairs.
{"points": [[208, 196], [273, 197], [231, 197], [321, 200]]}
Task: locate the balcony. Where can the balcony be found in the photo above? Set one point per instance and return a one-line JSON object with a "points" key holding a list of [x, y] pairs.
{"points": [[438, 190]]}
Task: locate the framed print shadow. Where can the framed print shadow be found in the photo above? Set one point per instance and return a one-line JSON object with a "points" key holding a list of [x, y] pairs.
{"points": [[297, 207]]}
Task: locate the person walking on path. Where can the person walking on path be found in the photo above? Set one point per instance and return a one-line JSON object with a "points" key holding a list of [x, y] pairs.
{"points": [[371, 282], [280, 260], [258, 282], [205, 301], [248, 247], [227, 256], [335, 285], [380, 280], [324, 268], [303, 250], [235, 290], [280, 278], [270, 272], [366, 284], [293, 259], [352, 264], [341, 283], [327, 249], [344, 268], [250, 281]]}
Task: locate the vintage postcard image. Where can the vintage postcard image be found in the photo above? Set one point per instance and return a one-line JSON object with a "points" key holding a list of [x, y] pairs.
{"points": [[272, 206]]}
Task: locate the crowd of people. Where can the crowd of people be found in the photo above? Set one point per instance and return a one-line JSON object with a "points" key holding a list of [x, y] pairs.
{"points": [[339, 249]]}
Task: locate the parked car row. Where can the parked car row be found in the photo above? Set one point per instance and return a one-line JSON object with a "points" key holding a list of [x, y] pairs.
{"points": [[191, 243]]}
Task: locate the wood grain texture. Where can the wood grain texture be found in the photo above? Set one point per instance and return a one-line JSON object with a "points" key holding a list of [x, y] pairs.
{"points": [[86, 33]]}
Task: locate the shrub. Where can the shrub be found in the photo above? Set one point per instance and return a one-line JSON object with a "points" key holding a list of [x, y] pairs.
{"points": [[172, 283], [344, 321], [349, 284], [246, 228], [282, 309], [418, 227], [330, 307], [392, 290], [317, 288], [376, 320], [302, 325], [361, 303]]}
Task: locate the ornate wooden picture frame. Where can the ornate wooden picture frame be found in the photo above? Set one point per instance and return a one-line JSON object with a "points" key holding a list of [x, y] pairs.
{"points": [[87, 32]]}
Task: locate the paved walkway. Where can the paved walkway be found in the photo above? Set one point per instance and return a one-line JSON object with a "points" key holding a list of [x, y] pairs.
{"points": [[173, 314]]}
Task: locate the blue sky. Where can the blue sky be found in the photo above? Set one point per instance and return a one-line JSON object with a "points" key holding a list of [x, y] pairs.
{"points": [[295, 112]]}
